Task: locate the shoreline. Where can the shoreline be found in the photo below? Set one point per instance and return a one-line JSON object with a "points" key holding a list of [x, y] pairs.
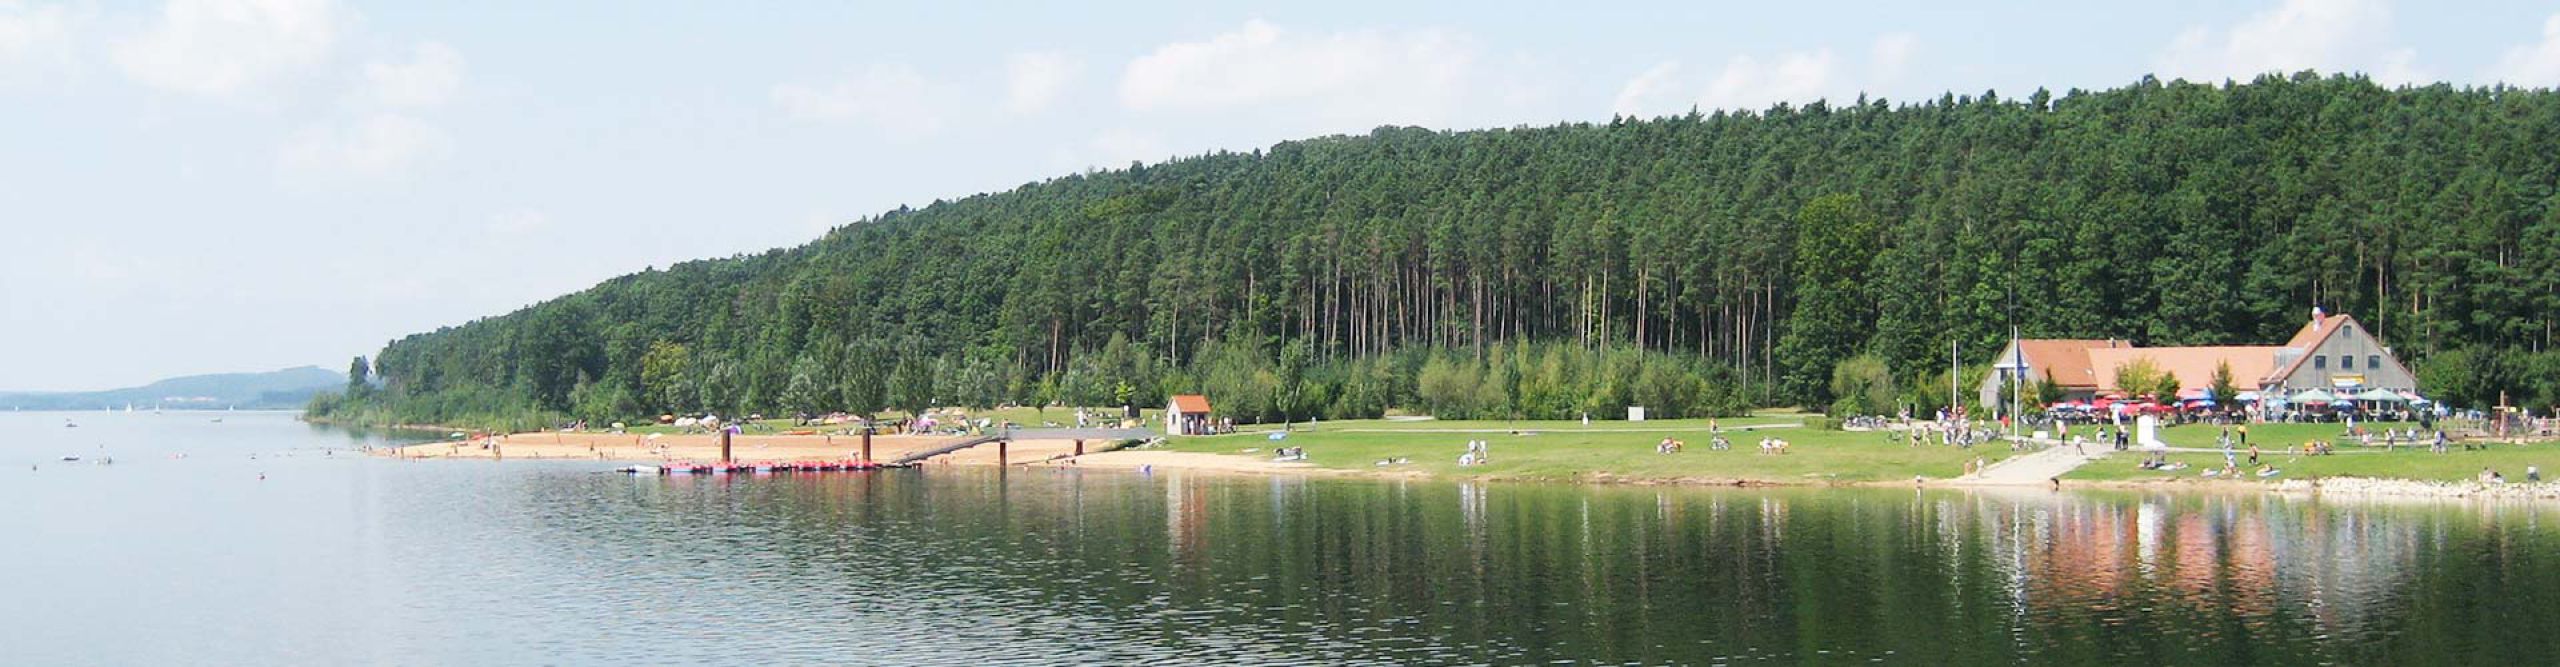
{"points": [[2355, 488], [660, 448]]}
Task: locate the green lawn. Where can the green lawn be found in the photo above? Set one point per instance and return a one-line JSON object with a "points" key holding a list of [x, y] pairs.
{"points": [[1565, 450], [2265, 436], [1657, 427], [2406, 462]]}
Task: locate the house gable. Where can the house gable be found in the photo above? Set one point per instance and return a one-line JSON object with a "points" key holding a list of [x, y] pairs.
{"points": [[2338, 348]]}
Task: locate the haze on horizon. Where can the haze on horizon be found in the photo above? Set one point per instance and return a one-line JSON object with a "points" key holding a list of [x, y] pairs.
{"points": [[205, 186]]}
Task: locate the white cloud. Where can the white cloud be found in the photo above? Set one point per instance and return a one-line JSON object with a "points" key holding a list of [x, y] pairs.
{"points": [[218, 47], [430, 77], [1033, 81], [33, 35], [2328, 35], [1418, 76], [1752, 82], [381, 146], [2534, 65], [1748, 82], [1650, 93], [892, 98]]}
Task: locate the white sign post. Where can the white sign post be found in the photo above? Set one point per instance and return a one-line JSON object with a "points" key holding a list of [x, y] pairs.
{"points": [[2147, 432]]}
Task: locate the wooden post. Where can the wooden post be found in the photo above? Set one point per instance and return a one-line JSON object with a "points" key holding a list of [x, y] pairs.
{"points": [[1079, 446], [724, 444], [1000, 452], [866, 444]]}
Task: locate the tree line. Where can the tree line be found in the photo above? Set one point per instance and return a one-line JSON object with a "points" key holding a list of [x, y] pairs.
{"points": [[1737, 258]]}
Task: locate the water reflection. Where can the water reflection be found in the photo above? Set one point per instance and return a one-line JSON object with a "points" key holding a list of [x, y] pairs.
{"points": [[1392, 572], [482, 563]]}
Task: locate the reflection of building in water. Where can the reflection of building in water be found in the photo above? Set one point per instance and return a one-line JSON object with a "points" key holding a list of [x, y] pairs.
{"points": [[1186, 517], [2250, 557]]}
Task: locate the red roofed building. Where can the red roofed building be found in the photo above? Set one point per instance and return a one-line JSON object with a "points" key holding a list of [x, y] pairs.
{"points": [[2065, 361], [2335, 352], [1187, 414], [2330, 352]]}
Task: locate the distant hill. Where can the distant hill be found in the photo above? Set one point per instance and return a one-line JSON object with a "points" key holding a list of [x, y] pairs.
{"points": [[288, 388]]}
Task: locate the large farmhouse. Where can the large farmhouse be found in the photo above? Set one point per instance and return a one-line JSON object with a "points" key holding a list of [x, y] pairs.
{"points": [[2330, 352]]}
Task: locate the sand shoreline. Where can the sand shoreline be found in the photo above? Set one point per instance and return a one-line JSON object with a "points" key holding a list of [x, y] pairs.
{"points": [[638, 448]]}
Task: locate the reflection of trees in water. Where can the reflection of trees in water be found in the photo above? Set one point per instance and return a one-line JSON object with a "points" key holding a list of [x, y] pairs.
{"points": [[1255, 569]]}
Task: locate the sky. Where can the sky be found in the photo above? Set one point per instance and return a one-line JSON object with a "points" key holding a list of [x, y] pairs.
{"points": [[197, 186]]}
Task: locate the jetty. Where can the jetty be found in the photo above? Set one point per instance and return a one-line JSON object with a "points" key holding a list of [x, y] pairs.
{"points": [[1077, 439]]}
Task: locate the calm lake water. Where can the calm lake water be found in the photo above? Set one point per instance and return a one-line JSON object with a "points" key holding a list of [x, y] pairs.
{"points": [[344, 559]]}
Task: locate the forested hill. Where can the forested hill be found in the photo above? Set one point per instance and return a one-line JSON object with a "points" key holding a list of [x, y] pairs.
{"points": [[273, 389], [1704, 262]]}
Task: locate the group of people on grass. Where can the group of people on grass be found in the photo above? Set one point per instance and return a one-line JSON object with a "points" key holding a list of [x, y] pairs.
{"points": [[2491, 476], [1478, 453]]}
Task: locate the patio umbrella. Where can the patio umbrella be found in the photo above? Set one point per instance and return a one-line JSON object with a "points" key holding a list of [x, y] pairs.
{"points": [[2248, 397], [2381, 395], [2314, 396]]}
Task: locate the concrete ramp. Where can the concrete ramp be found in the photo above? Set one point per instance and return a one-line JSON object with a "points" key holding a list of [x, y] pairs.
{"points": [[957, 445], [2034, 468], [1098, 436]]}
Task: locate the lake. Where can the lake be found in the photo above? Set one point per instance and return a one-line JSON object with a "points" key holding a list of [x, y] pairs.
{"points": [[262, 540]]}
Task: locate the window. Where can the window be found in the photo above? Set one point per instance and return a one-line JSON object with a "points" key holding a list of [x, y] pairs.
{"points": [[2347, 362], [2373, 361], [2320, 362]]}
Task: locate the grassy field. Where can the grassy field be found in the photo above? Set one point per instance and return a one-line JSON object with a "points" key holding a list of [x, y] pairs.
{"points": [[1659, 427], [1565, 450], [2273, 440], [2266, 436]]}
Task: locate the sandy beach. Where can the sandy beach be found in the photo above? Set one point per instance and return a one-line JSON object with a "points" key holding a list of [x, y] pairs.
{"points": [[627, 447], [633, 448]]}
